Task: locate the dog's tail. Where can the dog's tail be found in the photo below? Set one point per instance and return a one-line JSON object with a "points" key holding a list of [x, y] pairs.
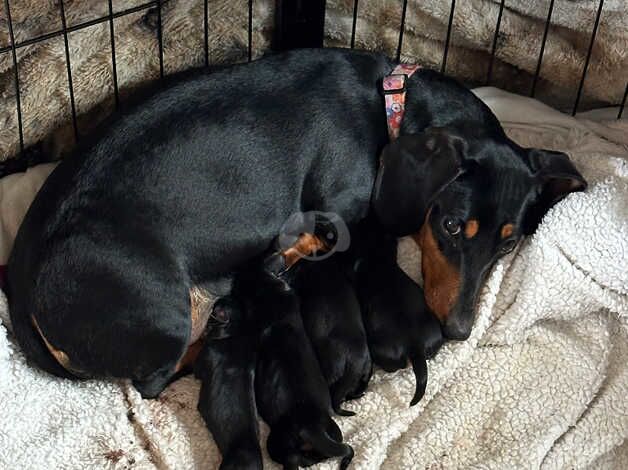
{"points": [[419, 366], [341, 411]]}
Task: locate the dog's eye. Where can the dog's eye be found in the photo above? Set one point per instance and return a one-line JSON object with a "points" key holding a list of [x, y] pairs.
{"points": [[508, 246], [452, 226]]}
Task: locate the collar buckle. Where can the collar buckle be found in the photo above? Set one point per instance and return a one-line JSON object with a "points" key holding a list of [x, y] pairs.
{"points": [[394, 83]]}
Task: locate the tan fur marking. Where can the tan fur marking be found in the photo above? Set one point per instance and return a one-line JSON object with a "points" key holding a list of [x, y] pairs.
{"points": [[471, 228], [190, 355], [61, 357], [304, 246], [441, 281], [201, 304], [507, 230]]}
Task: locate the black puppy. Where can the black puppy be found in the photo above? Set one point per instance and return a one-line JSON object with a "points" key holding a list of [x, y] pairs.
{"points": [[291, 393], [333, 322], [400, 332], [226, 366]]}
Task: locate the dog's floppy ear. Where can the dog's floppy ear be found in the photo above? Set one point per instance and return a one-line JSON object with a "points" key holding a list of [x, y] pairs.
{"points": [[413, 170], [556, 177]]}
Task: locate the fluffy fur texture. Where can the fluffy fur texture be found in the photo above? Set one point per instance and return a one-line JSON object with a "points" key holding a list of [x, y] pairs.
{"points": [[541, 382], [42, 69], [43, 76], [518, 46]]}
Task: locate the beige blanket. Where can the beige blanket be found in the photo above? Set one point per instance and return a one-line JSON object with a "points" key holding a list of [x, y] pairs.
{"points": [[541, 382]]}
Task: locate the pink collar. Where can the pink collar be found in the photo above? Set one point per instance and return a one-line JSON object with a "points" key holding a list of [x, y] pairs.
{"points": [[394, 86]]}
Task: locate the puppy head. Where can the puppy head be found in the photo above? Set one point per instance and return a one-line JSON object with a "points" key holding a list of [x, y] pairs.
{"points": [[467, 198], [227, 318]]}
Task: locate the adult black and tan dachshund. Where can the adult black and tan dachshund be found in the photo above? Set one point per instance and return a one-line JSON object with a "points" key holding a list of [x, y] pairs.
{"points": [[156, 210]]}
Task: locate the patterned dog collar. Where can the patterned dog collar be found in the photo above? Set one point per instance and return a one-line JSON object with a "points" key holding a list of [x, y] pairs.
{"points": [[394, 86]]}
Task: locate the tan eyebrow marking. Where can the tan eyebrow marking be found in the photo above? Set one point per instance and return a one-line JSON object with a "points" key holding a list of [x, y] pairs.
{"points": [[507, 230], [471, 228]]}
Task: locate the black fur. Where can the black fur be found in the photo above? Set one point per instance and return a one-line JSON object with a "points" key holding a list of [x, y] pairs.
{"points": [[181, 190], [226, 367], [198, 178], [291, 393], [464, 172], [400, 327], [333, 322]]}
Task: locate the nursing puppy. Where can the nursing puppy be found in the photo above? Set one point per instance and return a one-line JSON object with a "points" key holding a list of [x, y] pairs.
{"points": [[226, 368], [398, 333], [333, 322], [291, 393]]}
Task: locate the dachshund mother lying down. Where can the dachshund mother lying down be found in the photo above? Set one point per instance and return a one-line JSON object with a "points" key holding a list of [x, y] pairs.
{"points": [[176, 192]]}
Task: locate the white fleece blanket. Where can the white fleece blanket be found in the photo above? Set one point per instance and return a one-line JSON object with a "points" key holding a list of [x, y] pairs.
{"points": [[542, 382]]}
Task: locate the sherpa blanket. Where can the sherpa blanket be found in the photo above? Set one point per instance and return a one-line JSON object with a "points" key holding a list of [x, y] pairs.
{"points": [[44, 81], [541, 382]]}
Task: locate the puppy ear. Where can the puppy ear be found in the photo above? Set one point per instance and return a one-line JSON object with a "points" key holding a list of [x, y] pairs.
{"points": [[413, 170], [556, 177]]}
